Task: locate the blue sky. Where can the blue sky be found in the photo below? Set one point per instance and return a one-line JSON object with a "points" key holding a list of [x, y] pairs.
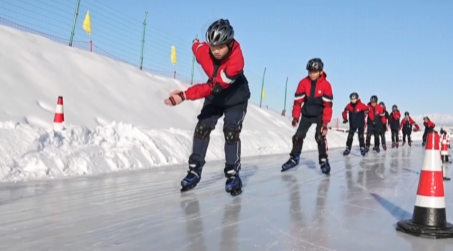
{"points": [[399, 50]]}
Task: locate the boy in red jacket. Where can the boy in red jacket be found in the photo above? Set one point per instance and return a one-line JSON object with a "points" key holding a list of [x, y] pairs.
{"points": [[429, 127], [226, 93], [313, 100], [394, 122], [406, 128], [357, 112], [376, 118]]}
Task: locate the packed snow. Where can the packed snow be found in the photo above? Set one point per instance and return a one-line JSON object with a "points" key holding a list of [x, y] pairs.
{"points": [[115, 118]]}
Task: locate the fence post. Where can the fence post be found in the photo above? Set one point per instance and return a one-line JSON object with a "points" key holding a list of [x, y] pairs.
{"points": [[193, 65], [262, 87], [74, 23], [143, 41], [286, 92]]}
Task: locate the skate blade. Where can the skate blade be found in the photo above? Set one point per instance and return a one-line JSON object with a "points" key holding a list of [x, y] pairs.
{"points": [[185, 189], [235, 192]]}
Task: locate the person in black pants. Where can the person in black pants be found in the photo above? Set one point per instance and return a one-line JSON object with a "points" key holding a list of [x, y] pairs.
{"points": [[226, 93], [406, 128], [394, 123], [313, 100], [374, 123], [384, 126], [429, 127], [357, 112]]}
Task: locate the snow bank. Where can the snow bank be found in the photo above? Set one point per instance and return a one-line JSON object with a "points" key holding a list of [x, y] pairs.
{"points": [[115, 117]]}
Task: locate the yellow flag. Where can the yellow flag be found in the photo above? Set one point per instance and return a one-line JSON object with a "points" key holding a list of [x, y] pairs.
{"points": [[173, 55], [87, 23], [263, 94]]}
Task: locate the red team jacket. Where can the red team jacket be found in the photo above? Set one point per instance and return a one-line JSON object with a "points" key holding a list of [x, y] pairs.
{"points": [[407, 123], [429, 124], [375, 113], [226, 74], [314, 102], [356, 113]]}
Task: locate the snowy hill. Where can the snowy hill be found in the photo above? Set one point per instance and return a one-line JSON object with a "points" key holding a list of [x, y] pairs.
{"points": [[114, 115]]}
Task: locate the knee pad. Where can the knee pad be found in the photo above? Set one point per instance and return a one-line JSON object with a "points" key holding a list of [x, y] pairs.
{"points": [[361, 136], [318, 138], [297, 141], [350, 135], [231, 135], [202, 130]]}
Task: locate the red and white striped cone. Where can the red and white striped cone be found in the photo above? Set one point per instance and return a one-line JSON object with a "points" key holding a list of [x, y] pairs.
{"points": [[58, 120], [429, 219]]}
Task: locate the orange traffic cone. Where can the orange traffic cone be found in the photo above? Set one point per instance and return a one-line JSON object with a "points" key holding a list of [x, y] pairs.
{"points": [[58, 120], [429, 219]]}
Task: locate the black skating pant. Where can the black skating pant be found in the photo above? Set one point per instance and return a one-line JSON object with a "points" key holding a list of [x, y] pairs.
{"points": [[408, 134], [395, 136], [376, 132], [207, 120], [298, 139], [360, 135], [382, 134]]}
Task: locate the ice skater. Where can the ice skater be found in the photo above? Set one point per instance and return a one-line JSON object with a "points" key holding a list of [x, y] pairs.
{"points": [[429, 127], [406, 128], [357, 112], [384, 126], [313, 100], [226, 93], [374, 123], [394, 123]]}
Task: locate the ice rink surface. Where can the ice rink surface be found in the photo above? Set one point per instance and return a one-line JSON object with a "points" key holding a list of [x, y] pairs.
{"points": [[356, 208]]}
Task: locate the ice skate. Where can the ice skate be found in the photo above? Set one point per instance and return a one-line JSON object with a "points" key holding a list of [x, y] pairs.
{"points": [[384, 147], [410, 144], [233, 184], [363, 151], [376, 148], [192, 178], [325, 166], [393, 144], [347, 151], [404, 142], [292, 162], [397, 145]]}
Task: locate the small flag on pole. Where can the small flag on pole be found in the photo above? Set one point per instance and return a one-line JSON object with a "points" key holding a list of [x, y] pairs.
{"points": [[173, 55], [263, 94], [87, 23]]}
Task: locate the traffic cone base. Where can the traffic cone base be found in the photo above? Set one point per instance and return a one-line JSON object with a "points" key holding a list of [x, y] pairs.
{"points": [[429, 219]]}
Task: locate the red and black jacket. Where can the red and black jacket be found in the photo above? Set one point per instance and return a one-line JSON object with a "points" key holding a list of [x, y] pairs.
{"points": [[394, 120], [376, 115], [227, 73], [313, 99], [429, 126], [357, 113], [406, 125]]}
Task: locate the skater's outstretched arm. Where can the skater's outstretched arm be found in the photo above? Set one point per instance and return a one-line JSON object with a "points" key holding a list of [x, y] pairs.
{"points": [[345, 113]]}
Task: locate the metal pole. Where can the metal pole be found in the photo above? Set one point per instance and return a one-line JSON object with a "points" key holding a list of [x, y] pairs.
{"points": [[193, 65], [262, 87], [143, 41], [286, 93], [74, 23]]}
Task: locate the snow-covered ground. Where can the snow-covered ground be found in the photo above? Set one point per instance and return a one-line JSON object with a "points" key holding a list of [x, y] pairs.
{"points": [[114, 113]]}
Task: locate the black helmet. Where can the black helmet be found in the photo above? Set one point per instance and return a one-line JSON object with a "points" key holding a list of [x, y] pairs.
{"points": [[354, 95], [382, 104], [394, 107], [315, 64], [406, 113], [219, 33], [373, 99], [426, 117]]}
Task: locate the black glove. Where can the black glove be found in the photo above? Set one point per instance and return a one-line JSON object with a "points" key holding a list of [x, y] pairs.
{"points": [[345, 121], [216, 89]]}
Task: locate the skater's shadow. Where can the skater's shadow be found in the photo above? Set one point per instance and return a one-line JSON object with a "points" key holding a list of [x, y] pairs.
{"points": [[393, 209]]}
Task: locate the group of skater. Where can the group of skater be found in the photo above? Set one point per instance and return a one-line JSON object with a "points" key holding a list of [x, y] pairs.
{"points": [[226, 93], [376, 121]]}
